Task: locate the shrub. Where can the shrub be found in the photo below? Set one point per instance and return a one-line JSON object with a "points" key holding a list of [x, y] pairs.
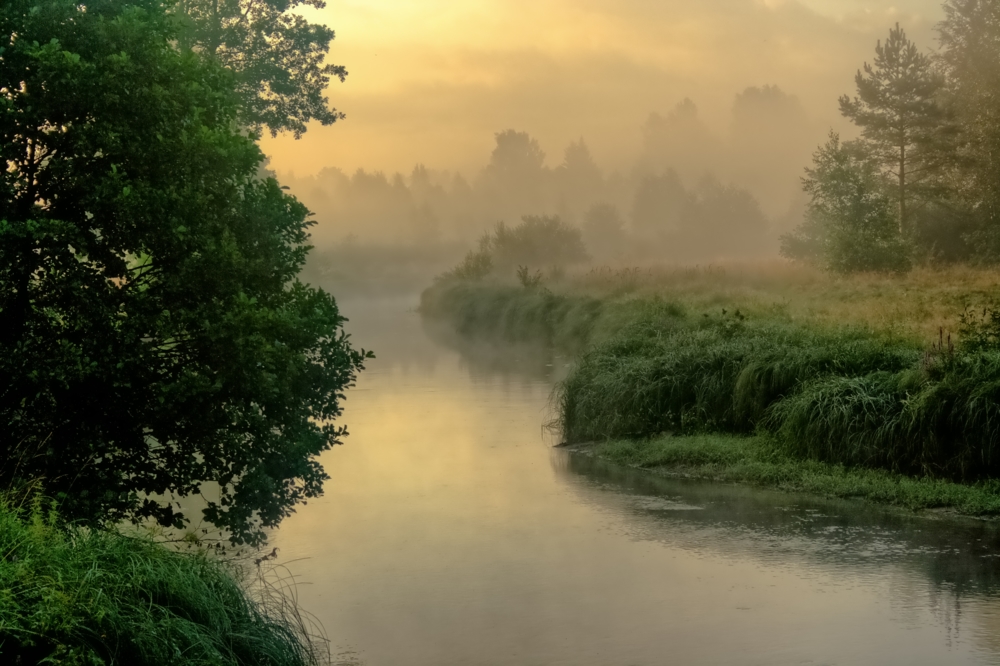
{"points": [[538, 242]]}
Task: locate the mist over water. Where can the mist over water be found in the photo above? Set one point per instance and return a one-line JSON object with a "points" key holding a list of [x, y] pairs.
{"points": [[451, 532]]}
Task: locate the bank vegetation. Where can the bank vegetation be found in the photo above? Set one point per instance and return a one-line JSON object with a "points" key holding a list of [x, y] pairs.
{"points": [[759, 373]]}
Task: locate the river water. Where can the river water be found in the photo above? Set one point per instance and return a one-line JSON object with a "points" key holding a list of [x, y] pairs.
{"points": [[453, 533]]}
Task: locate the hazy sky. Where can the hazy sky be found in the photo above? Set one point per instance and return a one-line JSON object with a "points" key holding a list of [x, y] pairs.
{"points": [[432, 80]]}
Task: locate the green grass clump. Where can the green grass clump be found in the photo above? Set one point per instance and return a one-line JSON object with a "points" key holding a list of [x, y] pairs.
{"points": [[840, 396], [763, 462], [708, 373], [72, 596], [942, 421]]}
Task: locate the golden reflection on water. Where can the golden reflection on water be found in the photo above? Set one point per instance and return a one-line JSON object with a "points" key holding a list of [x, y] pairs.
{"points": [[450, 533]]}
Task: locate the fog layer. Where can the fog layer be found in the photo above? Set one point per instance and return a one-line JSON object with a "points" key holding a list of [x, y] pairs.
{"points": [[460, 115]]}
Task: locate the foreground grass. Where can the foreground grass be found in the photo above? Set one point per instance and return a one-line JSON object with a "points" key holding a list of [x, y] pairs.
{"points": [[70, 596], [761, 462]]}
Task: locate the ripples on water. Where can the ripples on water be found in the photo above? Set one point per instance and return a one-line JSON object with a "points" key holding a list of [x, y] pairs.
{"points": [[452, 533]]}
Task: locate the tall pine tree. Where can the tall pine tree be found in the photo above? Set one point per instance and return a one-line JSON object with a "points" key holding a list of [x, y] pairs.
{"points": [[897, 108]]}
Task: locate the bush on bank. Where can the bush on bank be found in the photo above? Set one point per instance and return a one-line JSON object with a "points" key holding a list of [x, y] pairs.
{"points": [[93, 597]]}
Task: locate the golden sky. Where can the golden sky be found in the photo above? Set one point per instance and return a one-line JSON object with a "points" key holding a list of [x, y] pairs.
{"points": [[432, 80]]}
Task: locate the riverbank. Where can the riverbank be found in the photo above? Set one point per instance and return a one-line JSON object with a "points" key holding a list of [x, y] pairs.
{"points": [[865, 374], [89, 597], [758, 462]]}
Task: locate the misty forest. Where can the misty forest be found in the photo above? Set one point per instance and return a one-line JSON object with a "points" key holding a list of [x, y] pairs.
{"points": [[646, 358]]}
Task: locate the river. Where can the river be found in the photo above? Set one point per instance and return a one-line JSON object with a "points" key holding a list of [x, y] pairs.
{"points": [[453, 533]]}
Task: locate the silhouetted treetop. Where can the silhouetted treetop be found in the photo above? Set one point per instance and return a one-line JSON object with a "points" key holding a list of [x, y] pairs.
{"points": [[278, 57]]}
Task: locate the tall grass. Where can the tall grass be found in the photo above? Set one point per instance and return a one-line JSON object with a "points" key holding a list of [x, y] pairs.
{"points": [[942, 422], [93, 597], [712, 374]]}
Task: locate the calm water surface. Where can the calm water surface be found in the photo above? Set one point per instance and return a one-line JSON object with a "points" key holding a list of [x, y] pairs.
{"points": [[451, 532]]}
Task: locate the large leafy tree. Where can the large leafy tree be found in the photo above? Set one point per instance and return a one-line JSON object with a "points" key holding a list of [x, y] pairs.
{"points": [[278, 57], [153, 335], [850, 224], [899, 112]]}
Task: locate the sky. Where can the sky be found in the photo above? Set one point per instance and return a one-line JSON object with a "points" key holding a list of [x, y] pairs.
{"points": [[431, 81]]}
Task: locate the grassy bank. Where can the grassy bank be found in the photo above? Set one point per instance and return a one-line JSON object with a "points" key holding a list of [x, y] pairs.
{"points": [[759, 461], [92, 597], [854, 371]]}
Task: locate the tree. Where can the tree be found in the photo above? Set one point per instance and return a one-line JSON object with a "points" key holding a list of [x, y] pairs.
{"points": [[680, 141], [539, 241], [898, 110], [153, 335], [659, 204], [850, 225], [516, 158], [721, 221], [277, 56], [769, 139], [579, 178], [970, 40], [515, 178], [604, 230]]}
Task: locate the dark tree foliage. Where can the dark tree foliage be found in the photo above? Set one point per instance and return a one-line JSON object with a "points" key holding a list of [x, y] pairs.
{"points": [[850, 225], [276, 55], [899, 112], [723, 217], [153, 335], [970, 40]]}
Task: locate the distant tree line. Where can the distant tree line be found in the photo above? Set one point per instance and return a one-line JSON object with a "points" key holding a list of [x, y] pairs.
{"points": [[922, 182], [654, 211]]}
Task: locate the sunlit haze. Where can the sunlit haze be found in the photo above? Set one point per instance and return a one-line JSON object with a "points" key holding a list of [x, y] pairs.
{"points": [[432, 81]]}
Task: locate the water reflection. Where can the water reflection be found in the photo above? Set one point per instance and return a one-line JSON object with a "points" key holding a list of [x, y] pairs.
{"points": [[960, 555], [490, 359], [452, 533]]}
